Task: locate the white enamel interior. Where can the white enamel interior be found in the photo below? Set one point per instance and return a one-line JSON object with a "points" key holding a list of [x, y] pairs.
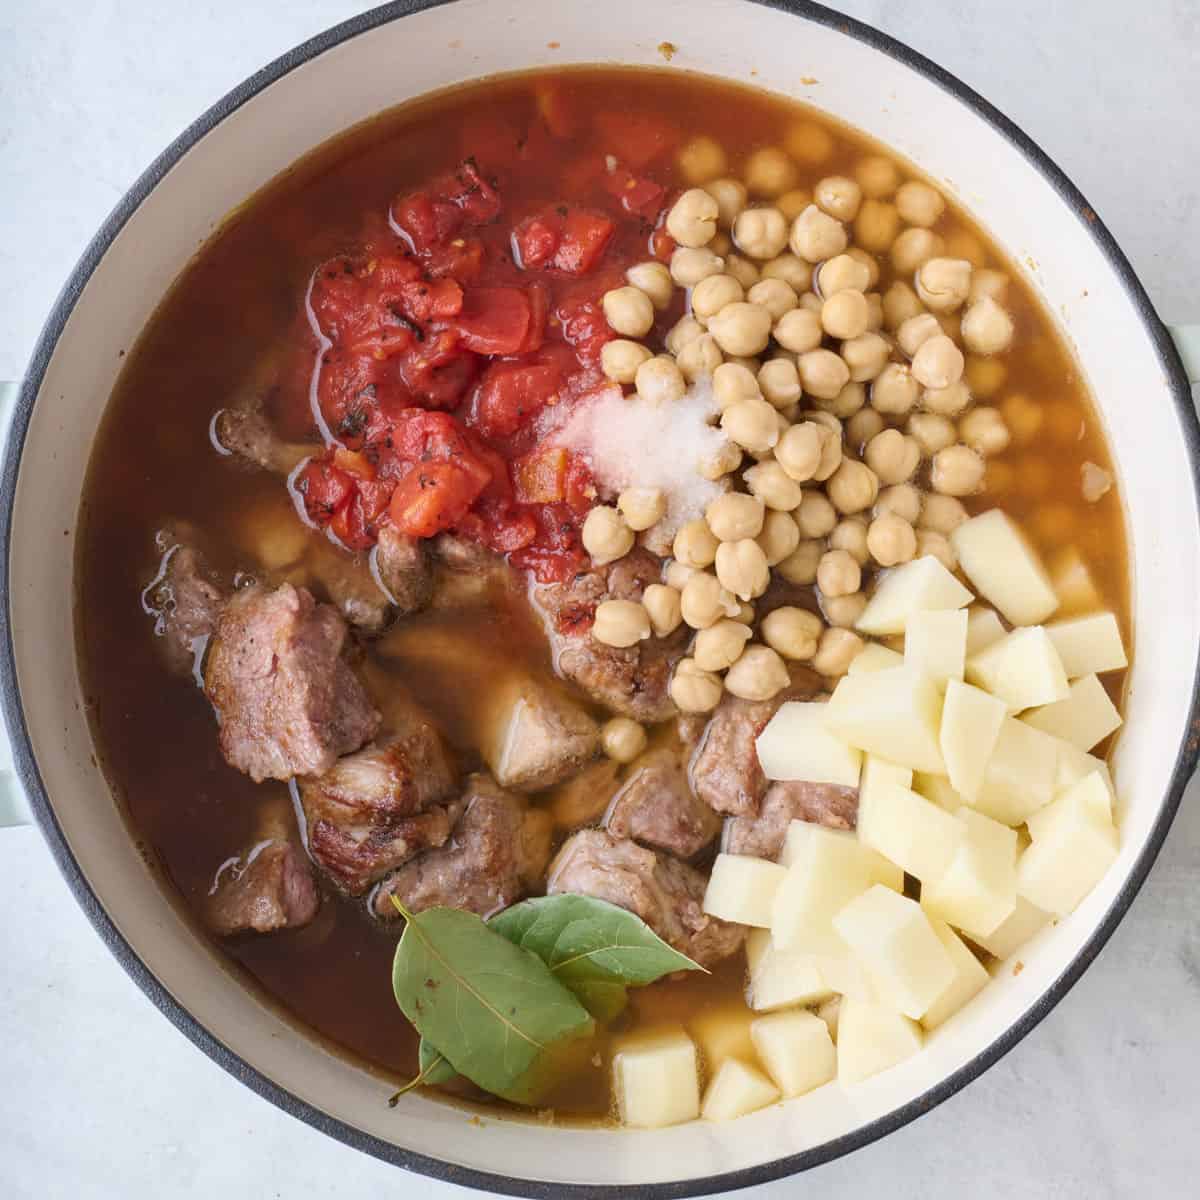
{"points": [[430, 50]]}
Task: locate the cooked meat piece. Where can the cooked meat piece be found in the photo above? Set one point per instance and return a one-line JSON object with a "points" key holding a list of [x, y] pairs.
{"points": [[690, 728], [287, 702], [480, 869], [629, 577], [725, 772], [347, 580], [188, 602], [247, 433], [403, 567], [666, 893], [657, 808], [270, 888], [535, 736], [374, 810], [793, 800], [463, 554]]}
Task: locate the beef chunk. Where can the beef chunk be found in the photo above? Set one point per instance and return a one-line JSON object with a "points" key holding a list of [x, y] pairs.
{"points": [[657, 808], [403, 567], [481, 869], [188, 602], [287, 702], [536, 737], [247, 433], [725, 771], [374, 810], [462, 554], [794, 800], [666, 893], [347, 580], [271, 887]]}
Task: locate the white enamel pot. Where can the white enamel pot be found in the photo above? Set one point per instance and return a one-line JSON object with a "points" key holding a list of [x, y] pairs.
{"points": [[376, 61]]}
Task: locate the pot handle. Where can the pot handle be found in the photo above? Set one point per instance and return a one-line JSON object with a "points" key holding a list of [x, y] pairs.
{"points": [[1187, 342], [13, 809]]}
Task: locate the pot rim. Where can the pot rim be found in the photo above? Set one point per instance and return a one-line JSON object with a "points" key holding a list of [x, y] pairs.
{"points": [[30, 777]]}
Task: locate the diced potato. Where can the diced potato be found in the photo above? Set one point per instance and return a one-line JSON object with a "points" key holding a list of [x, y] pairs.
{"points": [[872, 1038], [1088, 799], [272, 534], [1059, 869], [737, 1089], [878, 774], [657, 1081], [796, 745], [1084, 718], [939, 789], [1022, 669], [781, 978], [874, 657], [909, 830], [848, 975], [723, 1031], [979, 890], [971, 721], [796, 1049], [983, 628], [826, 869], [1074, 764], [1004, 568], [1021, 775], [922, 585], [828, 1012], [893, 937], [969, 977], [1088, 645], [893, 714], [1073, 583], [1023, 922], [742, 888], [935, 643]]}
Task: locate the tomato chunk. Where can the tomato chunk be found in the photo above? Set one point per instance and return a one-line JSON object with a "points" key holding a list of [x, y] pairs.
{"points": [[432, 497], [494, 320], [510, 393], [635, 138], [584, 237], [540, 476]]}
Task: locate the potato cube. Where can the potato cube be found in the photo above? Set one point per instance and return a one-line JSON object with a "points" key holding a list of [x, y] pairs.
{"points": [[878, 774], [979, 889], [657, 1080], [1022, 669], [1004, 568], [1073, 583], [1058, 870], [1084, 718], [828, 1012], [893, 714], [923, 585], [969, 977], [983, 628], [1088, 645], [796, 745], [1021, 775], [723, 1031], [871, 1038], [935, 643], [271, 535], [826, 869], [1022, 923], [971, 721], [894, 939], [909, 830], [1088, 799], [874, 657], [939, 790], [781, 978], [737, 1089], [1074, 764], [796, 1049], [742, 888]]}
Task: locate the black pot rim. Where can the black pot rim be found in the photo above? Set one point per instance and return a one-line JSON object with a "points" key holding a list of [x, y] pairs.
{"points": [[28, 773]]}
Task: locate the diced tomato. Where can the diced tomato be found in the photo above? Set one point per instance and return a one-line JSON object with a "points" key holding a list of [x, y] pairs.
{"points": [[662, 244], [540, 476], [494, 320], [353, 463], [433, 299], [584, 326], [635, 138], [556, 553], [324, 488], [355, 524], [539, 309], [425, 222], [584, 237], [536, 239], [431, 498], [510, 393], [638, 195], [437, 370], [579, 488], [469, 191], [460, 258]]}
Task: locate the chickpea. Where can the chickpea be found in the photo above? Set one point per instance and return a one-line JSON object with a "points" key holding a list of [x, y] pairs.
{"points": [[622, 739], [774, 295], [800, 567], [659, 380], [876, 226], [620, 623], [862, 427], [719, 462], [942, 514], [916, 331], [809, 142], [692, 220], [620, 359], [780, 382], [845, 404], [676, 574], [960, 243], [826, 420], [903, 499], [703, 601], [742, 269], [843, 611], [914, 248], [792, 203], [936, 546], [685, 331], [605, 535], [838, 196], [745, 612], [628, 311], [758, 675], [816, 236], [654, 279], [694, 690], [642, 507], [919, 204], [831, 452], [701, 159], [985, 376], [730, 195], [792, 632], [984, 430], [877, 176], [850, 535], [719, 646], [823, 373], [938, 363], [760, 232], [779, 537], [900, 304], [769, 172], [874, 312], [852, 487], [741, 328], [943, 283], [694, 544], [711, 295], [893, 457], [837, 649], [932, 432], [701, 356], [812, 302], [799, 331], [751, 424], [894, 390], [793, 271], [891, 540], [947, 401], [733, 516], [661, 602], [988, 282], [838, 573], [721, 243], [957, 471], [771, 484], [733, 382], [742, 568], [845, 314], [865, 356], [798, 451], [689, 265], [841, 273], [815, 515], [986, 327]]}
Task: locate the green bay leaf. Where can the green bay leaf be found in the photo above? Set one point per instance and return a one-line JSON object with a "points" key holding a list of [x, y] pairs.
{"points": [[435, 1068]]}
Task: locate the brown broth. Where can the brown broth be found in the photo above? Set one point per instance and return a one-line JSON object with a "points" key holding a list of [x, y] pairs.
{"points": [[215, 335]]}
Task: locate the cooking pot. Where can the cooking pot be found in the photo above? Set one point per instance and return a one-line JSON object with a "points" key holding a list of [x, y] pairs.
{"points": [[1137, 376]]}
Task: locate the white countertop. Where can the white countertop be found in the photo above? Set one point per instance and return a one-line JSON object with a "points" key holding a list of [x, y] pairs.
{"points": [[99, 1094]]}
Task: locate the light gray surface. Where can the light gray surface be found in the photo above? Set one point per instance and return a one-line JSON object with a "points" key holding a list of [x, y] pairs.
{"points": [[99, 1094]]}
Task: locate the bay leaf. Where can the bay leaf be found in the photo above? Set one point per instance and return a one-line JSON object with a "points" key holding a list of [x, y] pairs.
{"points": [[435, 1068]]}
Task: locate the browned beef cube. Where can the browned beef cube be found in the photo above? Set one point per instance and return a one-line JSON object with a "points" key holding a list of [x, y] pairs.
{"points": [[247, 433], [188, 601], [791, 800], [270, 888], [657, 808], [287, 701], [403, 567]]}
